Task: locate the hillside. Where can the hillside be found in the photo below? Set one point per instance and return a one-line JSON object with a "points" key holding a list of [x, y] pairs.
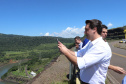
{"points": [[21, 47], [18, 42]]}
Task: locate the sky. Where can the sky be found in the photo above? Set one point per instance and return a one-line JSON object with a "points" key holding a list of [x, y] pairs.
{"points": [[60, 18]]}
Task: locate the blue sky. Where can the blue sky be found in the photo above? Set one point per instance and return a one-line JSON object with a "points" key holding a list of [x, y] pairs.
{"points": [[64, 18]]}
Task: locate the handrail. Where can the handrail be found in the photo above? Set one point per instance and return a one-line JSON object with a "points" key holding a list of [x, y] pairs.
{"points": [[73, 74], [77, 78]]}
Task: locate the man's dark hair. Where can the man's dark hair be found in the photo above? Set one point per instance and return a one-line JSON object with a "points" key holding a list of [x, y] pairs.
{"points": [[77, 37], [103, 26], [95, 23]]}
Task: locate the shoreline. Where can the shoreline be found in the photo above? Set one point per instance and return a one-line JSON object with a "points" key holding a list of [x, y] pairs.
{"points": [[46, 66], [10, 62], [3, 64]]}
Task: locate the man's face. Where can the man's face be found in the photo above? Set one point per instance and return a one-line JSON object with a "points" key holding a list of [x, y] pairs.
{"points": [[88, 32], [104, 33], [76, 41], [77, 45]]}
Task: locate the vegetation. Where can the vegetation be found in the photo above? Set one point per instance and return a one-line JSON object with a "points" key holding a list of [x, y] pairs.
{"points": [[39, 51], [19, 47]]}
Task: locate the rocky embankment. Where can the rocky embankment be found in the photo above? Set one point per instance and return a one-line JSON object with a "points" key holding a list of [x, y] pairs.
{"points": [[56, 72]]}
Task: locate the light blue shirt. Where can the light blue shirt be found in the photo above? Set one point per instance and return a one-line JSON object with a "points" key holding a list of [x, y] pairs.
{"points": [[80, 46], [93, 61]]}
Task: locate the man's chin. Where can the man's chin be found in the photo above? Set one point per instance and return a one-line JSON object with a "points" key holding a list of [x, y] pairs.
{"points": [[104, 37]]}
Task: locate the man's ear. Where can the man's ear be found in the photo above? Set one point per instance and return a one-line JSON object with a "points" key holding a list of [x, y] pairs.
{"points": [[95, 29]]}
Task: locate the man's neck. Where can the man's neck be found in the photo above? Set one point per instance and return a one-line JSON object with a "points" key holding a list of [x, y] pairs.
{"points": [[95, 37], [79, 42]]}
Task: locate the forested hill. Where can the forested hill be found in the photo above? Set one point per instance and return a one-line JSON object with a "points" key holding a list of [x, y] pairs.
{"points": [[18, 42]]}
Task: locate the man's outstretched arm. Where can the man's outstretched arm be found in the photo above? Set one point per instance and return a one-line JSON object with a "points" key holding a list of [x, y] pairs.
{"points": [[68, 53], [117, 69]]}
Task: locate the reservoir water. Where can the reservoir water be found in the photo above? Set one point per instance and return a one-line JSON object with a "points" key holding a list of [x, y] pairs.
{"points": [[4, 69]]}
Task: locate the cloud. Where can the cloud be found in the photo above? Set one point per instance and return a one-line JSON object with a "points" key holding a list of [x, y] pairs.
{"points": [[110, 25], [70, 32], [46, 34]]}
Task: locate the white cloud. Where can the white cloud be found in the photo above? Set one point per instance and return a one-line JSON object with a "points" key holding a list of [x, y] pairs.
{"points": [[110, 25], [70, 32], [46, 34]]}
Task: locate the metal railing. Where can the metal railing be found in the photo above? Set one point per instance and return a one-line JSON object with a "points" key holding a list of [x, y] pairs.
{"points": [[74, 74]]}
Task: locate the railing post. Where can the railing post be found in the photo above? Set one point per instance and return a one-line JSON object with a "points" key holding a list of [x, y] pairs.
{"points": [[70, 71]]}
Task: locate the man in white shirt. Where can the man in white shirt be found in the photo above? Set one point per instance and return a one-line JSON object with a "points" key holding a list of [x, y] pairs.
{"points": [[93, 60], [117, 69]]}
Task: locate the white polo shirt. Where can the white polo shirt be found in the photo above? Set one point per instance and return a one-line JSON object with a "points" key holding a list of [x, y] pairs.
{"points": [[93, 61]]}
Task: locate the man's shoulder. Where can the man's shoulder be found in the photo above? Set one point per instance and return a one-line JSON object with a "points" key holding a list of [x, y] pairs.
{"points": [[86, 39], [104, 45]]}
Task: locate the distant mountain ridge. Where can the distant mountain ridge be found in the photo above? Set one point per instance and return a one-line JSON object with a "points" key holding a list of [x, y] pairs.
{"points": [[19, 42]]}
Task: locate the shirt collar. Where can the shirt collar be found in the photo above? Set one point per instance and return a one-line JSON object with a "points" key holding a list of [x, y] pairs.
{"points": [[80, 43], [96, 40]]}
